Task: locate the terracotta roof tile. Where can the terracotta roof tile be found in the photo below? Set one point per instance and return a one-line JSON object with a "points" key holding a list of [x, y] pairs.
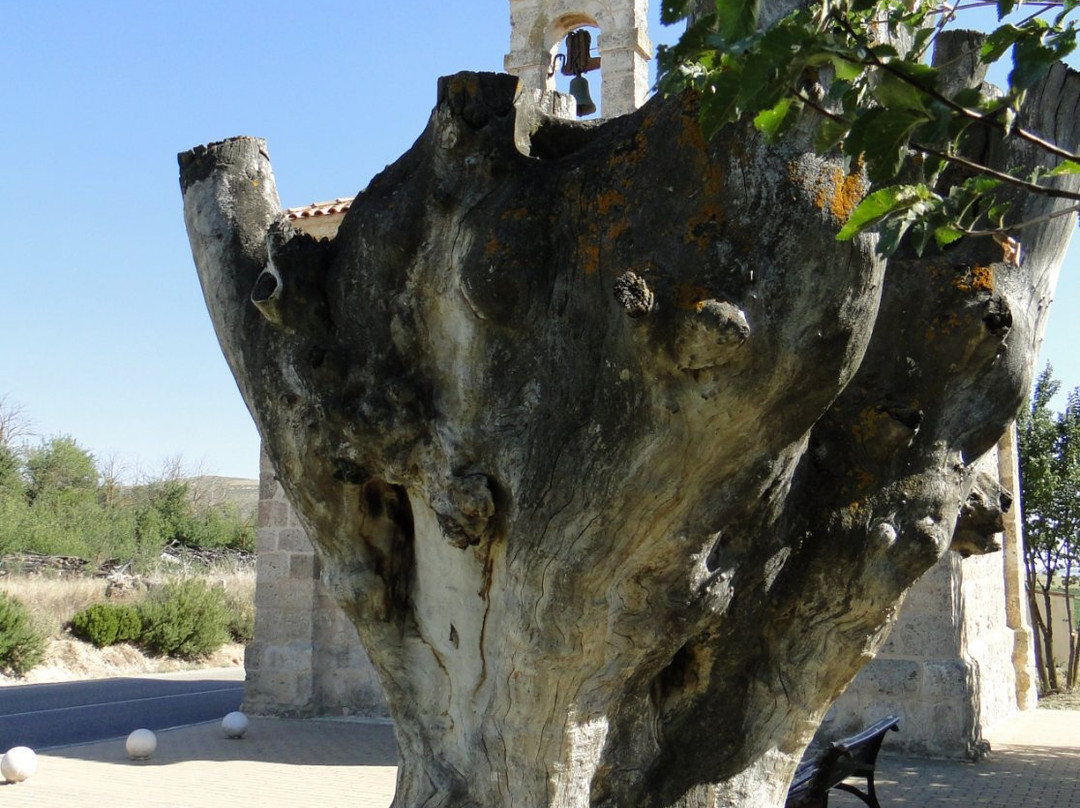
{"points": [[330, 208]]}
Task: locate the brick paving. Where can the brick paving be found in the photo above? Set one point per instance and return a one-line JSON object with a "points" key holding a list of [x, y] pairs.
{"points": [[1035, 762], [279, 762]]}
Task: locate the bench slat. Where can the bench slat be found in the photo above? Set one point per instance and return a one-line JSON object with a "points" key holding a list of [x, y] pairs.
{"points": [[855, 756]]}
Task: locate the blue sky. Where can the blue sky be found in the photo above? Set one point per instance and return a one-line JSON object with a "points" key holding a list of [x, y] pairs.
{"points": [[107, 338]]}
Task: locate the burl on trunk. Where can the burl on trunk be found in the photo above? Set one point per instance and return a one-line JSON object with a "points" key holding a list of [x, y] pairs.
{"points": [[617, 459]]}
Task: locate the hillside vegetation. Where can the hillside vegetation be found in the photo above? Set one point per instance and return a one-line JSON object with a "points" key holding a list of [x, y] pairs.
{"points": [[98, 576], [55, 500]]}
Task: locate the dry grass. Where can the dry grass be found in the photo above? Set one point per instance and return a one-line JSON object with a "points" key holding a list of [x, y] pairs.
{"points": [[53, 601], [69, 660], [240, 584]]}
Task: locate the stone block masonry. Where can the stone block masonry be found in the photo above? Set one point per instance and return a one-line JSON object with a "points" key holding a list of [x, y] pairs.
{"points": [[538, 26], [306, 658]]}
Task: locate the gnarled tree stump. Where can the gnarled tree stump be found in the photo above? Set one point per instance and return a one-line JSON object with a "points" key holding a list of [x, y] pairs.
{"points": [[618, 460]]}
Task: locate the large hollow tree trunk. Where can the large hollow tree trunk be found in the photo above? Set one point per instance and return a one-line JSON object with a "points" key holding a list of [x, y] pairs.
{"points": [[618, 460]]}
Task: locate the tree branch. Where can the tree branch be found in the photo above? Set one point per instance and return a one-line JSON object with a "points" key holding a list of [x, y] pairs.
{"points": [[976, 117], [1027, 223], [1008, 179]]}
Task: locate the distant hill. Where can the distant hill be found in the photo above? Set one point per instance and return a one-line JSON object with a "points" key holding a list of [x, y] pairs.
{"points": [[242, 493]]}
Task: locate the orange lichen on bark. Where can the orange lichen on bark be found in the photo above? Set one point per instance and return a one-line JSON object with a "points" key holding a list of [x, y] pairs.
{"points": [[841, 193], [690, 135], [866, 426], [491, 247], [608, 200], [606, 221], [616, 229], [943, 325], [856, 509], [975, 279]]}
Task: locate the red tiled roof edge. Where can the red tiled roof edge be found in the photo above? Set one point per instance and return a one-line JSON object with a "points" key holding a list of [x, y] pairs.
{"points": [[319, 209]]}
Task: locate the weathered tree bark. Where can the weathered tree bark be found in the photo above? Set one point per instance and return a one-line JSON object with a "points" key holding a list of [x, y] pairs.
{"points": [[618, 460]]}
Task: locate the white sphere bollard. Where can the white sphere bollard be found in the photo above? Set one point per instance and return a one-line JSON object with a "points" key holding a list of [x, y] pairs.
{"points": [[141, 744], [19, 763], [234, 725]]}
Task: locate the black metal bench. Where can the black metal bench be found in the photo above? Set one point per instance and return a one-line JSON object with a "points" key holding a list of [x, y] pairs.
{"points": [[852, 757]]}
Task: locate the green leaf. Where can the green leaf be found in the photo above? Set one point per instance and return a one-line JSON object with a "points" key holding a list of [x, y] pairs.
{"points": [[1067, 167], [970, 97], [1005, 8], [891, 233], [846, 69], [719, 102], [1031, 61], [999, 41], [984, 185], [776, 121], [939, 127], [671, 11], [828, 134], [946, 235], [922, 36], [923, 75], [897, 93], [770, 66], [921, 233], [881, 136], [736, 19], [884, 51], [996, 214], [881, 204]]}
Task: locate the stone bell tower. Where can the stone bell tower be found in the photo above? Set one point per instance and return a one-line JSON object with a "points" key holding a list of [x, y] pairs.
{"points": [[538, 27]]}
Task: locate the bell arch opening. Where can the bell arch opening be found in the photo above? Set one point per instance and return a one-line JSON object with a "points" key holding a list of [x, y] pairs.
{"points": [[568, 54]]}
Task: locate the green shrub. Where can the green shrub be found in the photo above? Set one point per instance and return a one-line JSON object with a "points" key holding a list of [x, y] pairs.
{"points": [[185, 619], [241, 618], [21, 646], [107, 624]]}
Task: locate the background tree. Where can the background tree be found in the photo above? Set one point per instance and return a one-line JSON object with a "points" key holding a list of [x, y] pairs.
{"points": [[111, 470], [56, 500], [620, 461], [1049, 449], [179, 508], [1070, 517], [12, 480], [59, 467], [12, 484], [14, 426]]}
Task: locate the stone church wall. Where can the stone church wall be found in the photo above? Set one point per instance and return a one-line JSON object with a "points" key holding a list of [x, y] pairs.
{"points": [[306, 658]]}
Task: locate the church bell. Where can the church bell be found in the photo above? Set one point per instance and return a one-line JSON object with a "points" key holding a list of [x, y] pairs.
{"points": [[579, 89]]}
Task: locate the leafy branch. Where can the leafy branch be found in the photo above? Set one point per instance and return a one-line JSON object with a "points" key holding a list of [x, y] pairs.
{"points": [[859, 67]]}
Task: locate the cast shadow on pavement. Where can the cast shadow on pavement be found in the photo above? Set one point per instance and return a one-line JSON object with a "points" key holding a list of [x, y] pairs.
{"points": [[1009, 777]]}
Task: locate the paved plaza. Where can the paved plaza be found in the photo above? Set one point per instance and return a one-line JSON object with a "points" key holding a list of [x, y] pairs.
{"points": [[1035, 762]]}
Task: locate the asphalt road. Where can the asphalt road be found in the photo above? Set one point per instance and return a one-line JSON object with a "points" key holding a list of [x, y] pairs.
{"points": [[50, 715]]}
